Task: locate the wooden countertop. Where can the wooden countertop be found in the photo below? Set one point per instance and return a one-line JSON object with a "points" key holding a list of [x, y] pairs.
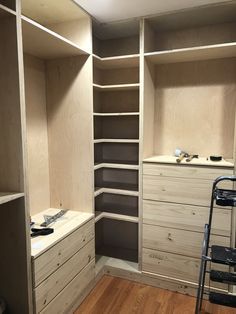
{"points": [[62, 228], [201, 161]]}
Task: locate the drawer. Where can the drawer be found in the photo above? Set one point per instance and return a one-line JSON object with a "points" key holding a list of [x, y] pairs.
{"points": [[183, 171], [51, 286], [64, 301], [51, 260], [176, 266], [183, 242], [186, 217], [178, 190]]}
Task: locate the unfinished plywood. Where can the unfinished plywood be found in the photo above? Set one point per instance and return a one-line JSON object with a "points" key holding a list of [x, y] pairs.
{"points": [[183, 242], [49, 44], [13, 232], [191, 37], [116, 101], [129, 75], [116, 46], [186, 217], [51, 12], [69, 105], [37, 134], [195, 108], [11, 170]]}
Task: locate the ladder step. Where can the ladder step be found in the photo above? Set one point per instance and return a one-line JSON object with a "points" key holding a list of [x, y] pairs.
{"points": [[224, 277], [222, 299], [225, 197], [223, 255]]}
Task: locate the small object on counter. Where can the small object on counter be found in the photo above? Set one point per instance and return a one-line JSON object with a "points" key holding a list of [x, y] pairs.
{"points": [[215, 158], [41, 232], [190, 158], [180, 154]]}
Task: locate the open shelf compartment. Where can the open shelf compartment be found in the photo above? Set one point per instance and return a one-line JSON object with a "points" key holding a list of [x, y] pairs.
{"points": [[118, 239]]}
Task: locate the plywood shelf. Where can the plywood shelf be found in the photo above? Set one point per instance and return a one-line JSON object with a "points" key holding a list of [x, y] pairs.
{"points": [[99, 215], [201, 161], [111, 262], [118, 87], [227, 50], [5, 11], [62, 228], [46, 44], [6, 197], [116, 140], [116, 166], [114, 114], [125, 61], [100, 190]]}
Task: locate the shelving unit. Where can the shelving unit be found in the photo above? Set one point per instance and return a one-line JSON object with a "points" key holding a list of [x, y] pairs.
{"points": [[116, 135]]}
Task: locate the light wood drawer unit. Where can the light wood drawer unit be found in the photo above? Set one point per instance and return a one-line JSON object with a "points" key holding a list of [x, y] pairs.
{"points": [[52, 259], [51, 286], [175, 266], [187, 217], [180, 184], [63, 302], [177, 241]]}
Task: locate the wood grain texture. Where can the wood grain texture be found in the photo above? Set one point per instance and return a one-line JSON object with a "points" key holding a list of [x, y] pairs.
{"points": [[177, 190], [50, 261], [11, 170], [186, 217], [193, 94], [69, 105], [65, 300], [36, 134], [115, 295], [50, 287], [182, 242]]}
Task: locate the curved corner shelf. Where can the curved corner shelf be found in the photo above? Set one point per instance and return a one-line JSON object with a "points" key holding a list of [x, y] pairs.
{"points": [[118, 87], [115, 114], [41, 42], [6, 197], [99, 215], [99, 191], [117, 62], [127, 166], [227, 50], [116, 140]]}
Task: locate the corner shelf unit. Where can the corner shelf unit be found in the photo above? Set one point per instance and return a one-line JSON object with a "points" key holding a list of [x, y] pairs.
{"points": [[116, 150]]}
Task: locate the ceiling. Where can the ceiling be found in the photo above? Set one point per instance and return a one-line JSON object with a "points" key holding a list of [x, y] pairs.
{"points": [[105, 11]]}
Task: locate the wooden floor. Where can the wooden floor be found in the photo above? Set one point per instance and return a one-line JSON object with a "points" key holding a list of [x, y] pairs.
{"points": [[114, 295]]}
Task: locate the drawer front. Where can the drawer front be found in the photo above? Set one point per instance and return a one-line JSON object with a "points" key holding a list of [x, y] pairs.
{"points": [[176, 266], [64, 301], [186, 217], [51, 260], [51, 286], [181, 171], [177, 190], [183, 242]]}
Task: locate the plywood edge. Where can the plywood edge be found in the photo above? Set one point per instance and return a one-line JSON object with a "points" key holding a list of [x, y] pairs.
{"points": [[101, 215], [201, 161]]}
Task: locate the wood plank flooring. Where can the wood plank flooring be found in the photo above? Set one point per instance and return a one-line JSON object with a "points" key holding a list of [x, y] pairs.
{"points": [[119, 296]]}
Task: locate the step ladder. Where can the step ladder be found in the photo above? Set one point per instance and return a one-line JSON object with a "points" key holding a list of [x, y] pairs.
{"points": [[217, 254]]}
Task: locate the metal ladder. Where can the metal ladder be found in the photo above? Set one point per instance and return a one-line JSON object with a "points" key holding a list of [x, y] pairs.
{"points": [[218, 254]]}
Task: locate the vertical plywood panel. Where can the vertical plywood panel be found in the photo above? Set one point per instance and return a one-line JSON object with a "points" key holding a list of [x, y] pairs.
{"points": [[11, 175], [69, 105], [195, 107], [37, 136]]}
